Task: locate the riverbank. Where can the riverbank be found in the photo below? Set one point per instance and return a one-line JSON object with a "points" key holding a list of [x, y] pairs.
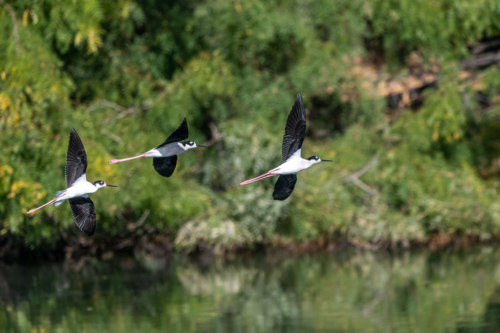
{"points": [[163, 247]]}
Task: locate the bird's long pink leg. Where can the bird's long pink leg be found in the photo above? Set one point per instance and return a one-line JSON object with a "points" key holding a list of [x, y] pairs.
{"points": [[266, 175], [127, 159], [48, 203]]}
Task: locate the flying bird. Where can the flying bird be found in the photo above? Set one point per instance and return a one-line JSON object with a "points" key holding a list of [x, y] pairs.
{"points": [[165, 155], [295, 132], [77, 187]]}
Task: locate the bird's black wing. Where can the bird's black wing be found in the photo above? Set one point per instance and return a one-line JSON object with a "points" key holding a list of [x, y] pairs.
{"points": [[295, 130], [180, 134], [76, 159], [165, 166], [83, 211], [284, 186]]}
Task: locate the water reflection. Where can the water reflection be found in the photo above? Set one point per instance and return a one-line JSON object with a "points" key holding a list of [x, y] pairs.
{"points": [[489, 322], [346, 292]]}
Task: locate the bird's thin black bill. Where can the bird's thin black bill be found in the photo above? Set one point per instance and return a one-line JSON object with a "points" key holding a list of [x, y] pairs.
{"points": [[111, 185], [326, 161], [203, 146]]}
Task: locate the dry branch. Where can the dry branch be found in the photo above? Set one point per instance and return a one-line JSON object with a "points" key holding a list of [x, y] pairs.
{"points": [[104, 103], [354, 178], [15, 31], [481, 61], [215, 134], [112, 136]]}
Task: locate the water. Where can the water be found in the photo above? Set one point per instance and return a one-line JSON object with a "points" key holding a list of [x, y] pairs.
{"points": [[343, 292]]}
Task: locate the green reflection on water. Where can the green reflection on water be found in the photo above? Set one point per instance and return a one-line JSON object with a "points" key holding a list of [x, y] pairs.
{"points": [[348, 292]]}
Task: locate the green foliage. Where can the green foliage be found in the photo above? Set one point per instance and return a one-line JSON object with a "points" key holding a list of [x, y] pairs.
{"points": [[125, 73], [439, 28]]}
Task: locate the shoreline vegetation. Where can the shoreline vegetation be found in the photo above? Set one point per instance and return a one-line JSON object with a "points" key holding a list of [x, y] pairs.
{"points": [[144, 249], [404, 97]]}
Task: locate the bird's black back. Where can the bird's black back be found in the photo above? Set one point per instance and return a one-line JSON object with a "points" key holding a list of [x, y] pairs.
{"points": [[284, 186], [76, 159], [295, 130], [179, 134], [83, 211]]}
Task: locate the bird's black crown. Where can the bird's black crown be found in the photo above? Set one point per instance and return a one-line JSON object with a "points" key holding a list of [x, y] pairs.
{"points": [[313, 158], [98, 182], [187, 143]]}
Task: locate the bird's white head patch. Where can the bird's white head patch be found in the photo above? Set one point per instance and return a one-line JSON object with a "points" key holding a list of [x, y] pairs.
{"points": [[99, 184], [188, 145]]}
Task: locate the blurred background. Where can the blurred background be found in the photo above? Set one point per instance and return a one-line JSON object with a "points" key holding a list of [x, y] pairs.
{"points": [[403, 96]]}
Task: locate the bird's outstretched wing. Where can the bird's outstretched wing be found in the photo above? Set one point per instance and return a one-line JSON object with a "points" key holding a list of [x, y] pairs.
{"points": [[76, 159], [284, 186], [179, 134], [295, 130], [83, 211], [165, 166]]}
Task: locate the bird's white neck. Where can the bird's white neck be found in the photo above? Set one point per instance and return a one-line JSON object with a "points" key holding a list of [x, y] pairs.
{"points": [[307, 163], [91, 188]]}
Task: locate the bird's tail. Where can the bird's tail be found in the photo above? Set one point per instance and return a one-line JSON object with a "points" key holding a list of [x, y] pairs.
{"points": [[266, 175], [58, 202], [58, 194]]}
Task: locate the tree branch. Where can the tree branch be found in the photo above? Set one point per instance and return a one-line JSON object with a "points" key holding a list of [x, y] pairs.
{"points": [[112, 136], [128, 111], [354, 178], [215, 134], [364, 169], [364, 187], [481, 61], [15, 31], [104, 103]]}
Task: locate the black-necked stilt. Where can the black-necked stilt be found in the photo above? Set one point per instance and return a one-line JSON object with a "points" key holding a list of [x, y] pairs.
{"points": [[77, 187], [295, 132], [165, 155]]}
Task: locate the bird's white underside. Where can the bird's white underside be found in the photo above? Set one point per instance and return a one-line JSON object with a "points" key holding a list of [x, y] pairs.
{"points": [[80, 188], [293, 165]]}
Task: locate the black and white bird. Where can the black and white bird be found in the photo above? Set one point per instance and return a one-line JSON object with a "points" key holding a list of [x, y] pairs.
{"points": [[77, 187], [295, 132], [165, 155]]}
